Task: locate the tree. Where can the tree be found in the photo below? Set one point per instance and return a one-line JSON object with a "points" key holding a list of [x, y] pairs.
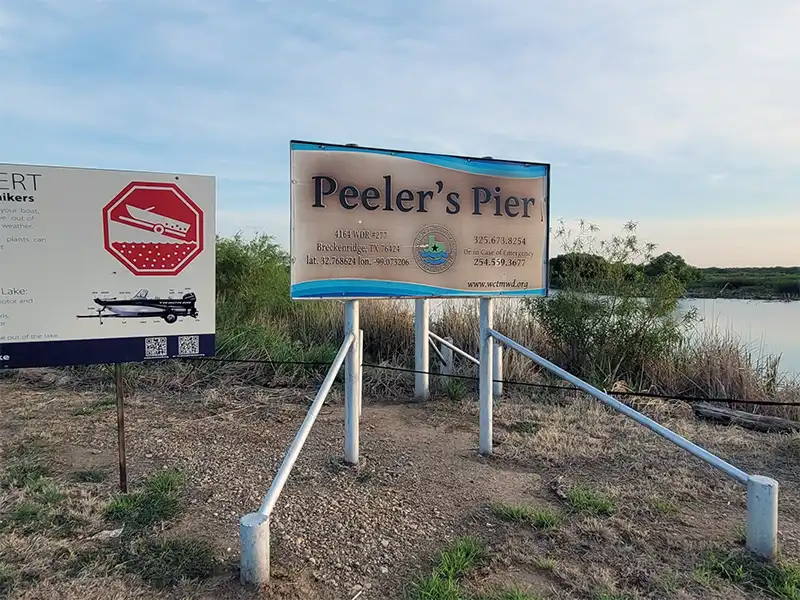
{"points": [[673, 264]]}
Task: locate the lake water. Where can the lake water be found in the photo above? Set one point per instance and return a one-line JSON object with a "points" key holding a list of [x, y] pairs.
{"points": [[766, 327]]}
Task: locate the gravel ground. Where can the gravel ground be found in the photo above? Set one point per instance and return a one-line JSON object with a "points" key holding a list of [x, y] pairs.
{"points": [[339, 531]]}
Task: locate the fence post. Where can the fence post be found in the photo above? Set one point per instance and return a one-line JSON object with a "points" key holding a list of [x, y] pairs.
{"points": [[352, 376], [360, 370], [497, 376], [762, 516], [486, 346], [448, 368], [421, 351], [254, 544]]}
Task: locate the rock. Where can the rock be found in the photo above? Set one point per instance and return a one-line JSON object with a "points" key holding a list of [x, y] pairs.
{"points": [[384, 570]]}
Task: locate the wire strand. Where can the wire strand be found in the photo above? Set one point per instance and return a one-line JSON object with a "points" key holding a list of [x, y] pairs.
{"points": [[639, 394]]}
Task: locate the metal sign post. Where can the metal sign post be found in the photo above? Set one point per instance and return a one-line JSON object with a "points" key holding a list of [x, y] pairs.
{"points": [[123, 467]]}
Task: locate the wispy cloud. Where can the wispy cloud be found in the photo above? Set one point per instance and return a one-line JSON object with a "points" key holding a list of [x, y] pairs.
{"points": [[641, 99]]}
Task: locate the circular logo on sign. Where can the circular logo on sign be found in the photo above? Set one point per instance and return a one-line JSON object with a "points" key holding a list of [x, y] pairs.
{"points": [[434, 249]]}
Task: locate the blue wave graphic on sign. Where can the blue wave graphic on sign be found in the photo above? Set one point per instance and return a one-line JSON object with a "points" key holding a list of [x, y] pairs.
{"points": [[378, 288], [477, 166]]}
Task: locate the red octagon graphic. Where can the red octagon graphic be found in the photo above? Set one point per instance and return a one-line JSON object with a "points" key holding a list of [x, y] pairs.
{"points": [[153, 228]]}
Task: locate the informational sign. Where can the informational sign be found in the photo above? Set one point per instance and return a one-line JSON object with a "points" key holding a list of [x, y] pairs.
{"points": [[376, 223], [101, 266]]}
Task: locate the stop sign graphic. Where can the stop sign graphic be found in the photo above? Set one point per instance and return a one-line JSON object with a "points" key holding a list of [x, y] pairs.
{"points": [[153, 228]]}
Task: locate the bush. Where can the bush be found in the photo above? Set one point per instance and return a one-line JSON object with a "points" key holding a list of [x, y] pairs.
{"points": [[607, 324]]}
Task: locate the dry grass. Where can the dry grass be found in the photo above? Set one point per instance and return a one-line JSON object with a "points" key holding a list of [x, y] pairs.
{"points": [[636, 518], [714, 366]]}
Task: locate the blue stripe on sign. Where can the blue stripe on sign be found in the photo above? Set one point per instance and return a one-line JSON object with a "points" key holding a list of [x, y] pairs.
{"points": [[376, 288], [64, 353], [476, 166]]}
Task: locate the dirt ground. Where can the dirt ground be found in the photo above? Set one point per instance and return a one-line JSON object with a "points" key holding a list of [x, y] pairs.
{"points": [[370, 531]]}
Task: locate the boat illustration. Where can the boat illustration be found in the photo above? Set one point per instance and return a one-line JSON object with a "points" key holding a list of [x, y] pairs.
{"points": [[146, 218], [140, 305]]}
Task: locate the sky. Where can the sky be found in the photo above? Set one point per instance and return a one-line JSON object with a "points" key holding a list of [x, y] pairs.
{"points": [[683, 116]]}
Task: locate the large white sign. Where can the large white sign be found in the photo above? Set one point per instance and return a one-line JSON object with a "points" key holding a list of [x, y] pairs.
{"points": [[100, 266]]}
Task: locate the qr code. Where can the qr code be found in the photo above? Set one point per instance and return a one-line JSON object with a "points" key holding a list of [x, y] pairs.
{"points": [[188, 344], [155, 347]]}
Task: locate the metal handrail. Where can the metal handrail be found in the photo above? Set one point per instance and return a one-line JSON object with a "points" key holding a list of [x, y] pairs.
{"points": [[294, 450], [673, 437], [454, 348]]}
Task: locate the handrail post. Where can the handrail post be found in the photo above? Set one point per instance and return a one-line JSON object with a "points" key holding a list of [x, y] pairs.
{"points": [[421, 351], [360, 370], [254, 527], [352, 379], [447, 367], [497, 375], [486, 347]]}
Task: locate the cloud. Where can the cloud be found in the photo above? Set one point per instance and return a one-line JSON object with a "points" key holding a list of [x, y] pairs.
{"points": [[649, 95], [656, 79]]}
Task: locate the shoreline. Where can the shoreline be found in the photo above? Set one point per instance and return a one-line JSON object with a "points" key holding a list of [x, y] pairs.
{"points": [[765, 297]]}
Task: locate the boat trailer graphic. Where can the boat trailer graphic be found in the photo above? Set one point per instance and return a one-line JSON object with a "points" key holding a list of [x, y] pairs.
{"points": [[146, 218], [140, 306]]}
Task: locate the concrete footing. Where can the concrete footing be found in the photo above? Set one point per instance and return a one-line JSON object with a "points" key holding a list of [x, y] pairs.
{"points": [[254, 546], [762, 516]]}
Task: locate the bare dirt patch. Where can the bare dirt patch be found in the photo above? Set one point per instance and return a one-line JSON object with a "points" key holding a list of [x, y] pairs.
{"points": [[634, 514]]}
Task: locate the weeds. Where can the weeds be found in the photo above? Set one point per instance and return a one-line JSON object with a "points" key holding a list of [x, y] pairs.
{"points": [[166, 562], [523, 427], [27, 464], [7, 579], [780, 579], [538, 518], [90, 476], [662, 505], [629, 331], [546, 564], [585, 500], [94, 407], [455, 389], [455, 561]]}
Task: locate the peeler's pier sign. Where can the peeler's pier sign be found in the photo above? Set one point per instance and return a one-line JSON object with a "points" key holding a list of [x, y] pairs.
{"points": [[101, 266]]}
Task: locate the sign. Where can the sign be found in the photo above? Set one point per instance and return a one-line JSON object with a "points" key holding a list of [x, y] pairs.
{"points": [[376, 223], [101, 266], [161, 208]]}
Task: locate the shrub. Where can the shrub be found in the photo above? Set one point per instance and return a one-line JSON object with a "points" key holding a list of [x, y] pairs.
{"points": [[607, 324]]}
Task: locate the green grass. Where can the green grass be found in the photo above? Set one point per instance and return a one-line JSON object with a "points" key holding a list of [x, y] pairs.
{"points": [[546, 564], [7, 579], [586, 500], [454, 562], [166, 562], [779, 579], [435, 587], [455, 389], [90, 476], [157, 501], [538, 518], [460, 556], [95, 407], [38, 506], [523, 427], [662, 505], [27, 463]]}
